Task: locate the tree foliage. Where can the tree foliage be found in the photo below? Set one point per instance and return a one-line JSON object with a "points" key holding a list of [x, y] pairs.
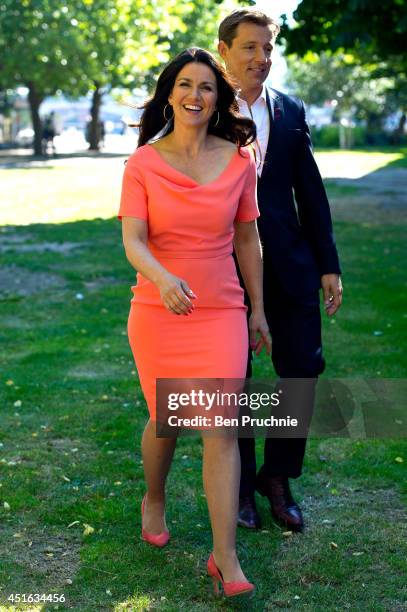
{"points": [[361, 48], [337, 78], [84, 44], [199, 29], [96, 45], [374, 31]]}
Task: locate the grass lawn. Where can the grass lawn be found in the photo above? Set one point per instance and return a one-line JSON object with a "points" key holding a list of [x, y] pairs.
{"points": [[71, 478]]}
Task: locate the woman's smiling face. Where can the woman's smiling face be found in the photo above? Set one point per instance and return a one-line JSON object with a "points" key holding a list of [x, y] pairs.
{"points": [[194, 95]]}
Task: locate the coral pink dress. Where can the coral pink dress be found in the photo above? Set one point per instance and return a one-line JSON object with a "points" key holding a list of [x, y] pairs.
{"points": [[190, 231]]}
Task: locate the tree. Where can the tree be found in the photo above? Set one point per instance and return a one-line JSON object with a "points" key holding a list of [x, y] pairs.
{"points": [[123, 40], [199, 29], [84, 44], [374, 31], [373, 34], [353, 88], [37, 46], [153, 32]]}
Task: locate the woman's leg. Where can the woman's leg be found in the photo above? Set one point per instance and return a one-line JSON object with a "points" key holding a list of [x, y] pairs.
{"points": [[157, 456], [221, 477]]}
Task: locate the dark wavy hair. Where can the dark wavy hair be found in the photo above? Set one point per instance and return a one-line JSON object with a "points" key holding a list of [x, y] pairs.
{"points": [[231, 126]]}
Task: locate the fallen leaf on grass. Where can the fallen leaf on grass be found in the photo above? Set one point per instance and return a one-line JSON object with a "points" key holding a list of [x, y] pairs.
{"points": [[280, 603], [72, 524], [333, 545], [357, 554], [18, 404], [66, 478], [287, 534], [6, 506], [9, 382], [399, 460], [88, 529]]}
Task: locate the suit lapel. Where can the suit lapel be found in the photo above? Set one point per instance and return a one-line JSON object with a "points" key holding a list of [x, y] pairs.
{"points": [[276, 113]]}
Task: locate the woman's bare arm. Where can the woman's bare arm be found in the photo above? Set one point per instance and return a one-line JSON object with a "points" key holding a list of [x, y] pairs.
{"points": [[175, 292], [248, 252]]}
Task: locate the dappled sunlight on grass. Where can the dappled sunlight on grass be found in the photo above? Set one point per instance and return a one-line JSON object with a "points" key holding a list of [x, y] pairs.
{"points": [[89, 187], [81, 189], [22, 608], [354, 164], [139, 602]]}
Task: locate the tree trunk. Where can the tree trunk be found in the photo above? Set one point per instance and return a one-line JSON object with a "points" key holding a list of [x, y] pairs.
{"points": [[342, 136], [94, 131], [399, 131], [35, 100], [373, 127]]}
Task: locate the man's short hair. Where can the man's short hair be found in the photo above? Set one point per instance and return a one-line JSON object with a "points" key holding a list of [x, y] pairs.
{"points": [[228, 27]]}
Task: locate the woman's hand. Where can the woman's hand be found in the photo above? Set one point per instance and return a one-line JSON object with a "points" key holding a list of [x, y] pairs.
{"points": [[259, 332], [176, 294]]}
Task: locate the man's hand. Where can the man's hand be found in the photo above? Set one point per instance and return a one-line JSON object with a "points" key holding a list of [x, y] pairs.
{"points": [[332, 288]]}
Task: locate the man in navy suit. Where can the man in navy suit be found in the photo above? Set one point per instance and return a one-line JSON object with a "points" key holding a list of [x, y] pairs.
{"points": [[299, 251]]}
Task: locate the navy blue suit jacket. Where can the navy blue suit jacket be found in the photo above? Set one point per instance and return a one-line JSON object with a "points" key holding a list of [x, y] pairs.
{"points": [[295, 224]]}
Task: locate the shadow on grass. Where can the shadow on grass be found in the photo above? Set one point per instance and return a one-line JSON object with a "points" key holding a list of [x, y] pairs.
{"points": [[11, 161]]}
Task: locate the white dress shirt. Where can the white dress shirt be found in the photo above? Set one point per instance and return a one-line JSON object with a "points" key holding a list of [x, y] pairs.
{"points": [[259, 113]]}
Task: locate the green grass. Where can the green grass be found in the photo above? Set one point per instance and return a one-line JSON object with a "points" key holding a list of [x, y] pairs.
{"points": [[67, 189], [336, 190], [382, 157], [70, 432]]}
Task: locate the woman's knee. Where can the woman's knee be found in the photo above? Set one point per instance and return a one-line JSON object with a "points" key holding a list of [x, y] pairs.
{"points": [[219, 443]]}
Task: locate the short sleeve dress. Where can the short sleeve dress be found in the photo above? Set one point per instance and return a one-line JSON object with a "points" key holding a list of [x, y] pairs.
{"points": [[190, 231]]}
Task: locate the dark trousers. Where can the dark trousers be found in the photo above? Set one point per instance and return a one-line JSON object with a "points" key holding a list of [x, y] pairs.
{"points": [[295, 325]]}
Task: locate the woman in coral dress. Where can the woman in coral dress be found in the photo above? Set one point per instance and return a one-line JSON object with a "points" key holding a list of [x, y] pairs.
{"points": [[187, 198]]}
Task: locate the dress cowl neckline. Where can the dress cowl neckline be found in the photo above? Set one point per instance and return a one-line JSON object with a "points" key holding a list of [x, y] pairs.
{"points": [[167, 171]]}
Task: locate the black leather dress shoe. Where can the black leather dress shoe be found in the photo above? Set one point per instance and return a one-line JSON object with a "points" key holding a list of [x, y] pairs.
{"points": [[284, 509], [248, 516]]}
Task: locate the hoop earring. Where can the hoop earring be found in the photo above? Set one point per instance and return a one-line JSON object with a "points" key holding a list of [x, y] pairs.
{"points": [[165, 117], [217, 120]]}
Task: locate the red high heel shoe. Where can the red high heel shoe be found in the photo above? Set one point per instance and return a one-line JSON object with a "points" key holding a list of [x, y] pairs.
{"points": [[230, 589], [161, 539]]}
